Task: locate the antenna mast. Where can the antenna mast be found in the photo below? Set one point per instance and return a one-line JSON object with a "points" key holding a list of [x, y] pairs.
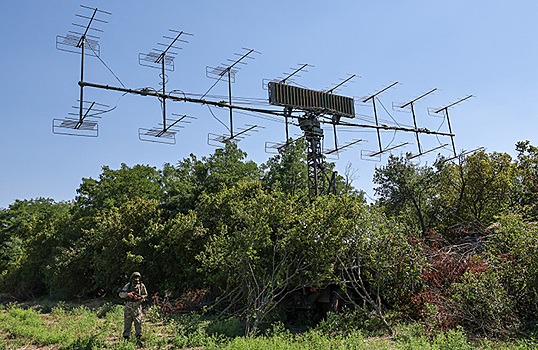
{"points": [[164, 61], [444, 111], [228, 71], [411, 105], [74, 41], [373, 99]]}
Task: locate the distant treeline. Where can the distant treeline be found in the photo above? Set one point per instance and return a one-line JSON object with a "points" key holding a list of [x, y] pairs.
{"points": [[453, 244]]}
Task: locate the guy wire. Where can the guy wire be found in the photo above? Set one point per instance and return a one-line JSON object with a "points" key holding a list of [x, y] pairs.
{"points": [[103, 62]]}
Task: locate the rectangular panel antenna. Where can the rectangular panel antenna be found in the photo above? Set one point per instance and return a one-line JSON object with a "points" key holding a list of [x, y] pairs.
{"points": [[311, 100]]}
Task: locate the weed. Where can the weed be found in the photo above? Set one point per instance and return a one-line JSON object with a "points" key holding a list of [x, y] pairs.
{"points": [[70, 328]]}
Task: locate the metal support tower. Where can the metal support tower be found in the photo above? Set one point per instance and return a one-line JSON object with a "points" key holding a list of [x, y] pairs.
{"points": [[313, 133]]}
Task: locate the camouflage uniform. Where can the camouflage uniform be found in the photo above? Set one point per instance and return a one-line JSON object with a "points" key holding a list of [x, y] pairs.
{"points": [[133, 308]]}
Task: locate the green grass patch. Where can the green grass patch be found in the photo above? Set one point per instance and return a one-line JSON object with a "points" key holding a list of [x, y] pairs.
{"points": [[76, 327]]}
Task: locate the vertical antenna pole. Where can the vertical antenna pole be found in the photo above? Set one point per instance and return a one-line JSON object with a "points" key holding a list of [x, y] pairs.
{"points": [[164, 92], [81, 43], [416, 130], [450, 130], [81, 102], [373, 97], [335, 138], [287, 114], [377, 124], [230, 101], [445, 109]]}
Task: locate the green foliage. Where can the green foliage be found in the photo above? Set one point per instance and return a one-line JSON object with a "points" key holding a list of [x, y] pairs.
{"points": [[527, 178], [512, 252], [406, 190], [477, 189], [483, 305], [115, 187], [497, 295], [30, 232], [71, 327], [441, 245], [249, 253], [287, 171]]}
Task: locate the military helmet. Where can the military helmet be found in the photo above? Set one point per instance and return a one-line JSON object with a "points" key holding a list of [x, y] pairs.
{"points": [[136, 274]]}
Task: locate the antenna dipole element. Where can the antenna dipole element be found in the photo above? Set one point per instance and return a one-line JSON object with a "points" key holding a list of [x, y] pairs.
{"points": [[330, 91], [411, 105], [373, 97], [228, 70], [445, 112]]}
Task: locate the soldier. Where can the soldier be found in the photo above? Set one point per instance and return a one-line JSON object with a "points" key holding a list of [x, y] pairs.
{"points": [[135, 292]]}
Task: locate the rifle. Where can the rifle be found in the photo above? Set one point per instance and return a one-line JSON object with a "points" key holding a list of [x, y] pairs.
{"points": [[131, 295]]}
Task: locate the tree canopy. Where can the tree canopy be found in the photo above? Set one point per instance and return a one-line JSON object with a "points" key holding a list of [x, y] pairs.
{"points": [[453, 244]]}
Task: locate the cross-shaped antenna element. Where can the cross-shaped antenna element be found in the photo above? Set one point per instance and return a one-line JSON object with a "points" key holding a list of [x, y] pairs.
{"points": [[76, 39], [86, 126], [341, 148], [443, 111], [411, 105], [83, 39], [288, 77], [163, 59], [157, 58], [227, 71], [295, 73], [373, 98]]}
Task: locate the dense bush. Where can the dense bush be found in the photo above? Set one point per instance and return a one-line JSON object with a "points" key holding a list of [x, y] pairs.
{"points": [[441, 246]]}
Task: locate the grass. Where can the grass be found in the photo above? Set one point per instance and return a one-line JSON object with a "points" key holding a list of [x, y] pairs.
{"points": [[64, 326]]}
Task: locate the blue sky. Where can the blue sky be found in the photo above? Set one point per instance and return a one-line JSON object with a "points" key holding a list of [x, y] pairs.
{"points": [[461, 47]]}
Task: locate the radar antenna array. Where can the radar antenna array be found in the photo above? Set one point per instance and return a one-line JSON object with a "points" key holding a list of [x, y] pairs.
{"points": [[410, 106], [373, 155], [77, 41], [227, 71], [163, 59], [301, 107]]}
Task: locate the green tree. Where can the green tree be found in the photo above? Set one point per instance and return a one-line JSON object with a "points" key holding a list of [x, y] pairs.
{"points": [[29, 234], [115, 187], [527, 178], [476, 189], [227, 167], [185, 182], [406, 190], [380, 266], [287, 171]]}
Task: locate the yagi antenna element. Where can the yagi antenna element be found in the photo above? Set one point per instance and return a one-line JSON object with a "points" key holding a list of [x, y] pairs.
{"points": [[411, 105], [342, 83], [78, 41], [84, 34], [165, 134], [373, 99], [444, 112], [159, 58], [227, 71], [163, 59]]}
